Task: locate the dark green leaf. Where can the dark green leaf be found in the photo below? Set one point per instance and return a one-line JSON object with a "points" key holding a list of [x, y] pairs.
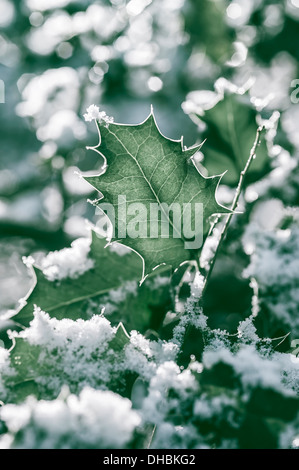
{"points": [[231, 126]]}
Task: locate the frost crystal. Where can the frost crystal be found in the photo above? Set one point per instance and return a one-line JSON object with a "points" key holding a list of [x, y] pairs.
{"points": [[193, 318], [247, 331], [94, 113], [197, 286]]}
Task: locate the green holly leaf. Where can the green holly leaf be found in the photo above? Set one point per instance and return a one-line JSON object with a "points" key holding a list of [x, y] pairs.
{"points": [[24, 361], [145, 170], [112, 283], [231, 122]]}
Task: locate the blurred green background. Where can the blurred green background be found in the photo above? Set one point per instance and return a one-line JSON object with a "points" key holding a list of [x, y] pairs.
{"points": [[59, 56]]}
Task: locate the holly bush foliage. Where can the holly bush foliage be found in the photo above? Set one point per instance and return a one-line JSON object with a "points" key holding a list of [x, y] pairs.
{"points": [[133, 342]]}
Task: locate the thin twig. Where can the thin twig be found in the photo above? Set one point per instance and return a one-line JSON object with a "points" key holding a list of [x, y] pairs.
{"points": [[283, 339], [234, 204], [151, 437]]}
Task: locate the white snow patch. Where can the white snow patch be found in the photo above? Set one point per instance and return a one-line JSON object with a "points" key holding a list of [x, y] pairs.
{"points": [[94, 419], [69, 262]]}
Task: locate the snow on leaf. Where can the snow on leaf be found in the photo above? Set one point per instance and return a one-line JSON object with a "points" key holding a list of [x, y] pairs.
{"points": [[70, 285], [51, 353]]}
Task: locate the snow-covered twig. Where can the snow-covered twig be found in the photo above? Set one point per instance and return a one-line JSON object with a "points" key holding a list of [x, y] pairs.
{"points": [[252, 156]]}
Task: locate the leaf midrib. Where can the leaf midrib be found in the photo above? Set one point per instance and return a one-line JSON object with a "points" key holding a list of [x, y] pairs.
{"points": [[79, 299], [147, 181]]}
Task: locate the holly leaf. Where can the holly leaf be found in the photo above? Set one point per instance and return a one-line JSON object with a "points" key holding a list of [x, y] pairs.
{"points": [[112, 284], [231, 122], [146, 175], [24, 361]]}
